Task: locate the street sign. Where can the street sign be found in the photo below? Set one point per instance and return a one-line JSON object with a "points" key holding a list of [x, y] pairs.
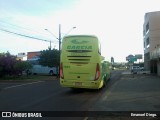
{"points": [[138, 56], [129, 57], [133, 59]]}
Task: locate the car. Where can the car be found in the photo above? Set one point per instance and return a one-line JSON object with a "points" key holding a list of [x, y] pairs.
{"points": [[136, 69], [142, 68]]}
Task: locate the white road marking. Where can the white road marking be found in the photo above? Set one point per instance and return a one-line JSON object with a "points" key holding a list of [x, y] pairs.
{"points": [[21, 85]]}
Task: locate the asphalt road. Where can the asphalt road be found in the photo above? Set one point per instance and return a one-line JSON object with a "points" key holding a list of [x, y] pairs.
{"points": [[48, 95], [120, 94]]}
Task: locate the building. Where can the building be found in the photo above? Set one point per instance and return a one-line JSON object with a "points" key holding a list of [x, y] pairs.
{"points": [[21, 56], [33, 55], [151, 39]]}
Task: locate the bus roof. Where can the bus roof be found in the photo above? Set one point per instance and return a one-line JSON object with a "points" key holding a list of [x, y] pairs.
{"points": [[80, 36]]}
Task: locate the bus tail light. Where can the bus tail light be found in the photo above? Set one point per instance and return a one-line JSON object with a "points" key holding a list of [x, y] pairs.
{"points": [[61, 71], [97, 72]]}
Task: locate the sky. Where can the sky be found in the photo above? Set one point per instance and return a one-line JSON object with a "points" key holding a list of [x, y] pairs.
{"points": [[117, 23]]}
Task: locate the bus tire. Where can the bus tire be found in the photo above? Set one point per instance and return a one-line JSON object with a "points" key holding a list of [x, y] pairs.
{"points": [[104, 84], [104, 81]]}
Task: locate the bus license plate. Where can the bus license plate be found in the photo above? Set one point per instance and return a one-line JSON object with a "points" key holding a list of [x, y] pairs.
{"points": [[78, 84]]}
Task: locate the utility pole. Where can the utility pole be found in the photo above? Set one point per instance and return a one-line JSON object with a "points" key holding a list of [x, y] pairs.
{"points": [[50, 45], [59, 47], [59, 39]]}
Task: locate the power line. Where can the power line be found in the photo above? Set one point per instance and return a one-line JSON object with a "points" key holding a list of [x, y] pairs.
{"points": [[13, 25], [19, 28], [23, 35]]}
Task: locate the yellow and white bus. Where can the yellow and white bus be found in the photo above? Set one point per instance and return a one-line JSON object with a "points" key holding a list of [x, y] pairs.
{"points": [[81, 63]]}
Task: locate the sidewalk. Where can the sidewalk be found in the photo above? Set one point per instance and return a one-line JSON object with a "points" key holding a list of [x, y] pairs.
{"points": [[128, 72], [138, 93], [132, 93]]}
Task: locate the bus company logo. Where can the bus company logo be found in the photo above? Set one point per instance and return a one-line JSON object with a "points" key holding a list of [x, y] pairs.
{"points": [[75, 41], [79, 47]]}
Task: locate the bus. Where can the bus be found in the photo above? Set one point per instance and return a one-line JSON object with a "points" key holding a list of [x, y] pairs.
{"points": [[43, 70], [81, 63]]}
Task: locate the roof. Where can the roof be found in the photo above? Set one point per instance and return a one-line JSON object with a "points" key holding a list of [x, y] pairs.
{"points": [[80, 36], [30, 55]]}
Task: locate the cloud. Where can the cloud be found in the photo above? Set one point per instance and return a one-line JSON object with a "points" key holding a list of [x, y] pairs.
{"points": [[118, 24], [30, 7]]}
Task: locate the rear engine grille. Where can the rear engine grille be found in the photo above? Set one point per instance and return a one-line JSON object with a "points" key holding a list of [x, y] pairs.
{"points": [[79, 59]]}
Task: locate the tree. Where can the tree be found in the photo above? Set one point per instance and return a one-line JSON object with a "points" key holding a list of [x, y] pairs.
{"points": [[10, 66], [50, 58], [21, 66], [7, 62]]}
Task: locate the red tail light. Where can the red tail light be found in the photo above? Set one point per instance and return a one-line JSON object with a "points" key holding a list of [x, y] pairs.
{"points": [[97, 72], [61, 71]]}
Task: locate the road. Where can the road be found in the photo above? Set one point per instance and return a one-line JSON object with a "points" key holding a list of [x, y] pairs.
{"points": [[48, 95]]}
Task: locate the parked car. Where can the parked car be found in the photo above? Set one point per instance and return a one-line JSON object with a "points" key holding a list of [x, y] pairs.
{"points": [[142, 68], [136, 69], [39, 69]]}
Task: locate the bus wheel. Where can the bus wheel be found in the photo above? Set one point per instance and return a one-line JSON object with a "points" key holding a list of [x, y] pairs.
{"points": [[104, 82]]}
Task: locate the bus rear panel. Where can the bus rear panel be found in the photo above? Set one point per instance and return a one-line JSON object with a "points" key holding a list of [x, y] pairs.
{"points": [[81, 62]]}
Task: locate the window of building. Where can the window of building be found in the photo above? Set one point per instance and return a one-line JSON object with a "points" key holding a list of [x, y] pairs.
{"points": [[143, 32], [147, 27], [147, 56], [147, 42]]}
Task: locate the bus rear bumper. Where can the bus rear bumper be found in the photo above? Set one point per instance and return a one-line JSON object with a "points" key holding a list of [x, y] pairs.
{"points": [[82, 84]]}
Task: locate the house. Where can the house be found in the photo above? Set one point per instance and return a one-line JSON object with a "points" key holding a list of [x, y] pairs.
{"points": [[151, 40]]}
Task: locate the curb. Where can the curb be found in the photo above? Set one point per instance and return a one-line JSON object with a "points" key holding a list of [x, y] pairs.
{"points": [[29, 80]]}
